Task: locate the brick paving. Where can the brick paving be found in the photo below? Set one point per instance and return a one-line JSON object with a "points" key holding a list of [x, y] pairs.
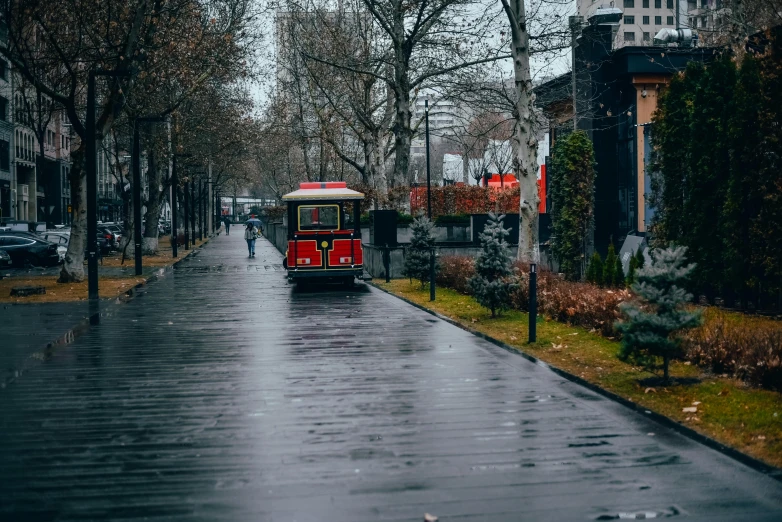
{"points": [[222, 393]]}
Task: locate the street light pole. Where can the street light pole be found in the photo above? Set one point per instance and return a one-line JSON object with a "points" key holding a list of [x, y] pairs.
{"points": [[137, 239], [429, 205], [192, 213], [200, 210], [186, 215], [174, 187], [92, 182], [137, 196], [92, 193]]}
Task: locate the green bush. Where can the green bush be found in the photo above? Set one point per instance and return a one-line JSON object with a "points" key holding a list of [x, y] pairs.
{"points": [[594, 272], [452, 219]]}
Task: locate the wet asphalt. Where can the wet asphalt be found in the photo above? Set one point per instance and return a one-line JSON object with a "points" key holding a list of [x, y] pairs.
{"points": [[221, 392]]}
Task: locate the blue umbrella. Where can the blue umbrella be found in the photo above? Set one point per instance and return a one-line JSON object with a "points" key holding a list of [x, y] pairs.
{"points": [[255, 222]]}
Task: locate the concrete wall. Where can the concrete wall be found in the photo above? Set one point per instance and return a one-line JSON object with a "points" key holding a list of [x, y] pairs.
{"points": [[277, 233]]}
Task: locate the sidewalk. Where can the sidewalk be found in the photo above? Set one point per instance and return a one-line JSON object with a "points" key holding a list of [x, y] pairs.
{"points": [[30, 328], [223, 393]]}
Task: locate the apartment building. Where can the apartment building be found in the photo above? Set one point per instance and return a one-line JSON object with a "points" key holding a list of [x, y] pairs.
{"points": [[641, 20]]}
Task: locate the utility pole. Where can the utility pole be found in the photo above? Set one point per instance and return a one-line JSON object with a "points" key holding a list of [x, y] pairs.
{"points": [[429, 204]]}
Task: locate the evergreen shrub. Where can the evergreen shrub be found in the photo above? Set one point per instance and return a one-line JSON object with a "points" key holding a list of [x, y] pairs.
{"points": [[494, 275], [417, 256], [650, 329]]}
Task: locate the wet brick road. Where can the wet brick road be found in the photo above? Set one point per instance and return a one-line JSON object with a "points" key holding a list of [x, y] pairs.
{"points": [[221, 393]]}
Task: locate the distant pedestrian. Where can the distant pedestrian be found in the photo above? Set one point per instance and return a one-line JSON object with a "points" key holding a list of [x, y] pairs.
{"points": [[227, 227], [249, 235]]}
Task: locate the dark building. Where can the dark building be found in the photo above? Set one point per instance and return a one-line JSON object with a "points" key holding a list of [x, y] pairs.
{"points": [[616, 94]]}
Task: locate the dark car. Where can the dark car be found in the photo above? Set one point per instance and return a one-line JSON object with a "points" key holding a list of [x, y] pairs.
{"points": [[112, 234], [29, 250], [5, 259]]}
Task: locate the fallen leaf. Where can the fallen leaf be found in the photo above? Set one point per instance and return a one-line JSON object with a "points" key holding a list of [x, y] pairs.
{"points": [[761, 437], [687, 363], [724, 392], [690, 409], [513, 338], [474, 320], [650, 390], [696, 403], [430, 518]]}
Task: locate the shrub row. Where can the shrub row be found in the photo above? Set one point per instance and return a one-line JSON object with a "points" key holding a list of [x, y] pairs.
{"points": [[745, 347]]}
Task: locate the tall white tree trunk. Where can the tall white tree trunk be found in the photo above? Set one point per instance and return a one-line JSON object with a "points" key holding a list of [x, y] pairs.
{"points": [[523, 140]]}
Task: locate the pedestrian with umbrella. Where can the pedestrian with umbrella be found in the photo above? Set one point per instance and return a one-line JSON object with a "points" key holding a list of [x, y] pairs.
{"points": [[249, 236]]}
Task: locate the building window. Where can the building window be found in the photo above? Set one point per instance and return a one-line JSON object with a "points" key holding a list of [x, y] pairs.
{"points": [[669, 20], [3, 109], [669, 4], [3, 70], [629, 20], [647, 37], [646, 4], [5, 155], [658, 4], [658, 20], [646, 20], [629, 3], [629, 36]]}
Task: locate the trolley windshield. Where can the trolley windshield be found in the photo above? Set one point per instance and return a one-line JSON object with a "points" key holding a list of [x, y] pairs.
{"points": [[319, 217]]}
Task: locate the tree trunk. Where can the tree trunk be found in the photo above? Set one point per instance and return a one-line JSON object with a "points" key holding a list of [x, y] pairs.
{"points": [[378, 162], [523, 139], [466, 165], [73, 265], [154, 200], [401, 128]]}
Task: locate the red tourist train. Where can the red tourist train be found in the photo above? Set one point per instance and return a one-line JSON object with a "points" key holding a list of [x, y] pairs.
{"points": [[324, 233]]}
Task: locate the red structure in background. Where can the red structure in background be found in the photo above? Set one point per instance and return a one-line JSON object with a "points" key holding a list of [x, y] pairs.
{"points": [[477, 199]]}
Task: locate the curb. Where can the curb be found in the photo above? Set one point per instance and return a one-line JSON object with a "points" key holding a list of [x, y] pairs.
{"points": [[93, 318], [747, 460]]}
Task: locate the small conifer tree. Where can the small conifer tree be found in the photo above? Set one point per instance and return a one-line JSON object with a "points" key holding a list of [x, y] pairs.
{"points": [[595, 270], [494, 279], [648, 331], [418, 254], [631, 269], [609, 267], [639, 258], [619, 273]]}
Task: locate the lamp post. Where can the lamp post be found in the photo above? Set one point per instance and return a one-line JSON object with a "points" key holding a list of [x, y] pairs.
{"points": [[200, 210], [192, 213], [137, 240], [429, 204], [92, 182], [533, 302], [186, 214], [174, 190]]}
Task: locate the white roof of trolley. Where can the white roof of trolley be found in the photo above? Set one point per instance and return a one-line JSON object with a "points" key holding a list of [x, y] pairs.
{"points": [[323, 190]]}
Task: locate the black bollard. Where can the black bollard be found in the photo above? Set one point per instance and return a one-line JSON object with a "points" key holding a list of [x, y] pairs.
{"points": [[431, 276], [387, 262], [533, 302]]}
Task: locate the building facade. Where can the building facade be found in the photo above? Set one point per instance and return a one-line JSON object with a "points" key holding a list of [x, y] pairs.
{"points": [[617, 92], [642, 19]]}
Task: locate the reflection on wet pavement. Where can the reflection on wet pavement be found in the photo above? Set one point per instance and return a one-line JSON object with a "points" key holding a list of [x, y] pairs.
{"points": [[223, 393]]}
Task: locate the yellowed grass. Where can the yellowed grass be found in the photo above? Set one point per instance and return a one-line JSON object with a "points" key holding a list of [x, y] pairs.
{"points": [[64, 292]]}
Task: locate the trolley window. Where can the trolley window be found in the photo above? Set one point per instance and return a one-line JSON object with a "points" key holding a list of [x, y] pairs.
{"points": [[319, 217]]}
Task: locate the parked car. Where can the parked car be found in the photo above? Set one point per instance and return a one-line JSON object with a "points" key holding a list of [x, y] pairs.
{"points": [[61, 239], [5, 259], [29, 250], [112, 233]]}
